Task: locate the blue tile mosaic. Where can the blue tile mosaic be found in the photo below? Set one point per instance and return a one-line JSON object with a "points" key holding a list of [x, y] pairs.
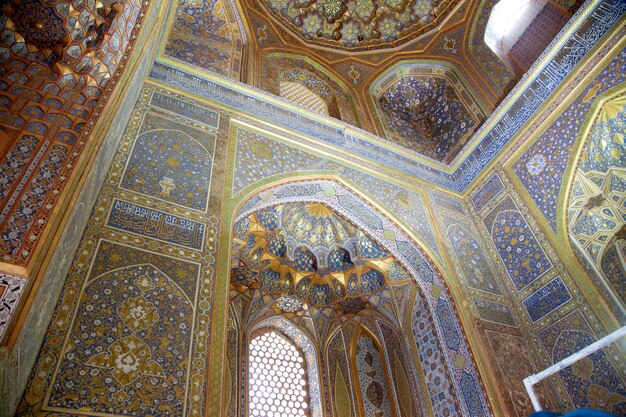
{"points": [[450, 332], [171, 165], [547, 299], [471, 396], [521, 253], [130, 312], [485, 194], [541, 167], [438, 382], [155, 224], [427, 109], [417, 261], [492, 311]]}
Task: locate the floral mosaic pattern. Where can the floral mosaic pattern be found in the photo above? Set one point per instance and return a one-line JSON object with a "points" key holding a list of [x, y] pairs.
{"points": [[506, 126], [593, 382], [519, 250], [131, 327], [438, 381], [120, 320], [14, 162], [372, 379], [542, 166], [421, 109], [547, 301], [203, 36], [171, 165]]}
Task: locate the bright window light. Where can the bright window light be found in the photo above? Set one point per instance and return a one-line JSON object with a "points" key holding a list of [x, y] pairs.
{"points": [[502, 19], [276, 378]]}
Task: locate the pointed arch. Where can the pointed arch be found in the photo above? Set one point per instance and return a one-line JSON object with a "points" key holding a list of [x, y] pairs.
{"points": [[590, 214], [426, 275], [371, 375], [309, 352], [339, 375]]}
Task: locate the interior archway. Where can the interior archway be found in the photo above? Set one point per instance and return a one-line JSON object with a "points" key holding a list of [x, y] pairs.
{"points": [[320, 257], [596, 218]]}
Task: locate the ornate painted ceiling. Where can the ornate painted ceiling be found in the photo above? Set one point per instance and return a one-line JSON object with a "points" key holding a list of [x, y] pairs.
{"points": [[416, 73], [359, 25], [306, 256], [81, 37], [427, 109]]}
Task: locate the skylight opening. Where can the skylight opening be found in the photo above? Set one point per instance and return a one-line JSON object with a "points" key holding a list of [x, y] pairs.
{"points": [[503, 18]]}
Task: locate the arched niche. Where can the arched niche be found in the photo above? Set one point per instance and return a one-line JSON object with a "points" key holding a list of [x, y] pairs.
{"points": [[438, 305], [137, 340], [277, 67], [339, 375], [427, 107], [210, 36], [299, 93], [596, 194], [372, 375]]}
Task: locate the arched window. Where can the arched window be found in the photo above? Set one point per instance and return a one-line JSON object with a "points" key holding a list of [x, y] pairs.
{"points": [[518, 31], [504, 16], [277, 377]]}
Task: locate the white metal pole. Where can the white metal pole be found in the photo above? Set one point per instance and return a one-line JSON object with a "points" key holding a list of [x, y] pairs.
{"points": [[584, 352]]}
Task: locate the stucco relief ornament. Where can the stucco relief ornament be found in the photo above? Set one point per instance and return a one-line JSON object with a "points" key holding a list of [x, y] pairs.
{"points": [[144, 283], [167, 185], [127, 358], [536, 164], [138, 313], [354, 74]]}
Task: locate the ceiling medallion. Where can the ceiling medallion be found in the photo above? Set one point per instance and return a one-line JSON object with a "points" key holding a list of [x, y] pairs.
{"points": [[359, 25]]}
